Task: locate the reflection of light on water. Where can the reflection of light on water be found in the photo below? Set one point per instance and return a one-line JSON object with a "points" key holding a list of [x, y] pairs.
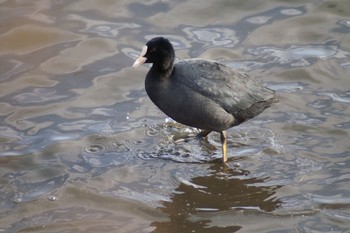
{"points": [[346, 65], [287, 86], [12, 67], [312, 52], [331, 200], [132, 53], [295, 54], [27, 191], [338, 98], [258, 20], [213, 36], [306, 119], [38, 95], [182, 180], [345, 22], [291, 12], [244, 65]]}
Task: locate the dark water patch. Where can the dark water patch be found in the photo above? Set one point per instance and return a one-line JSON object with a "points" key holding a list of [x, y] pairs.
{"points": [[343, 125], [12, 67], [337, 8], [20, 190], [142, 10]]}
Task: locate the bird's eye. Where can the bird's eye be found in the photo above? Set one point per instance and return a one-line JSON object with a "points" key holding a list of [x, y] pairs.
{"points": [[153, 50]]}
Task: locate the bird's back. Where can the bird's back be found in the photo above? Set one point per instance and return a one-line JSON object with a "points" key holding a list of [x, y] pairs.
{"points": [[234, 91]]}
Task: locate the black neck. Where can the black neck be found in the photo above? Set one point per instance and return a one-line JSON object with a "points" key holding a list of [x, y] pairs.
{"points": [[164, 66]]}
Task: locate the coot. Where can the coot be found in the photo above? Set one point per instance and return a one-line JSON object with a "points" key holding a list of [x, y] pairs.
{"points": [[201, 93]]}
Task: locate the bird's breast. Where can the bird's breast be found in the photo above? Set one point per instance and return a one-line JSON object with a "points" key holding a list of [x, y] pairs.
{"points": [[188, 107]]}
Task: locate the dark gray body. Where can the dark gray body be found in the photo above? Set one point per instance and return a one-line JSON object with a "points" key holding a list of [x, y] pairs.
{"points": [[207, 95]]}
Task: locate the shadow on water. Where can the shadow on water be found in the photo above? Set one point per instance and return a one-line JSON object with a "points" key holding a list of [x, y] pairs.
{"points": [[198, 203]]}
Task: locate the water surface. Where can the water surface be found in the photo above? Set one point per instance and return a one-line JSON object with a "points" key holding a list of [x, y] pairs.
{"points": [[83, 149]]}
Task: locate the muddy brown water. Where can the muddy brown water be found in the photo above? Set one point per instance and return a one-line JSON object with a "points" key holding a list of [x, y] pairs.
{"points": [[83, 149]]}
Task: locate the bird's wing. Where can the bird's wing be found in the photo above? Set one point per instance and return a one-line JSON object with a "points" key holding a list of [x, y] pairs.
{"points": [[233, 90]]}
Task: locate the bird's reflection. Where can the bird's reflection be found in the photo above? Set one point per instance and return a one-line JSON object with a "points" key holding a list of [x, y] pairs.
{"points": [[225, 190]]}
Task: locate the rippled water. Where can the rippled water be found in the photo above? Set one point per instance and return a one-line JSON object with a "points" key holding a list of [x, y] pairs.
{"points": [[82, 148]]}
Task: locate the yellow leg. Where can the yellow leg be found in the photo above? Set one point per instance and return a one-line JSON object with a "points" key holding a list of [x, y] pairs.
{"points": [[224, 145]]}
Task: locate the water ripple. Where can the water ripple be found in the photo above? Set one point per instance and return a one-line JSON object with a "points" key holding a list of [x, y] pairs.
{"points": [[295, 55], [345, 23], [210, 37], [258, 19], [291, 12], [38, 95], [343, 98]]}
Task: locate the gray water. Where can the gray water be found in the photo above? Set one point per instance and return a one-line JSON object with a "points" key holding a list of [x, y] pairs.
{"points": [[83, 149]]}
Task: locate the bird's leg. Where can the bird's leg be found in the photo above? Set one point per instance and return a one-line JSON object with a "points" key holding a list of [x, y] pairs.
{"points": [[224, 145], [203, 133]]}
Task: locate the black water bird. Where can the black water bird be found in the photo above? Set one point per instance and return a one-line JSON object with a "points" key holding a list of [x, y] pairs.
{"points": [[201, 93]]}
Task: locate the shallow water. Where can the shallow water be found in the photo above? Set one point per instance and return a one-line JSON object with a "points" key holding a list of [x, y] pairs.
{"points": [[83, 149]]}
